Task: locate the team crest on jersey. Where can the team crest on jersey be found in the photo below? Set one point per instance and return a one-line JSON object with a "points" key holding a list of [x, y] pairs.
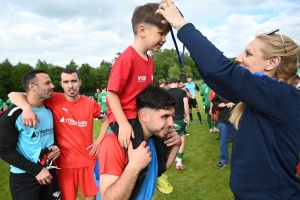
{"points": [[142, 78]]}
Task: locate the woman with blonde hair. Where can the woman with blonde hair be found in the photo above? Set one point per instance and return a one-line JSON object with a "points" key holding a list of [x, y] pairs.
{"points": [[266, 138]]}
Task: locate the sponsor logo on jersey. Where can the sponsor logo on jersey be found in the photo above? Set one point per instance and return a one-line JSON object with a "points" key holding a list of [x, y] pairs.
{"points": [[73, 122], [142, 78], [42, 133], [65, 109], [35, 134]]}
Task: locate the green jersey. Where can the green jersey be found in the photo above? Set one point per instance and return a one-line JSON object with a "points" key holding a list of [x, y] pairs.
{"points": [[9, 103], [204, 92], [1, 104], [102, 101]]}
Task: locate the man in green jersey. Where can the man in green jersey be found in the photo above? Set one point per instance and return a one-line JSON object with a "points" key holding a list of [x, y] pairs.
{"points": [[102, 98]]}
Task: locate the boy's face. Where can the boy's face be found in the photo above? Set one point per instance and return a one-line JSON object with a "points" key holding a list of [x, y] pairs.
{"points": [[155, 38]]}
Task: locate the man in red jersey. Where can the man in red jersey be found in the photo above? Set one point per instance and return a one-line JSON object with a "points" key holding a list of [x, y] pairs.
{"points": [[73, 127]]}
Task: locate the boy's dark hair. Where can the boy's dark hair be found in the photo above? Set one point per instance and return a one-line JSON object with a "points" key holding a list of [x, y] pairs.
{"points": [[30, 78], [146, 14], [69, 71], [103, 86], [188, 77], [173, 80], [155, 98]]}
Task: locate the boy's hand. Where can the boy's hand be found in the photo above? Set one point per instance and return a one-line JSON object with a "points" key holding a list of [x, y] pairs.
{"points": [[125, 132]]}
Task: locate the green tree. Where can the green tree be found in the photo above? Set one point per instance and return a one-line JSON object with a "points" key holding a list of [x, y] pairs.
{"points": [[72, 64], [187, 71], [86, 75], [163, 59], [18, 71], [54, 73], [174, 72], [42, 65], [6, 69]]}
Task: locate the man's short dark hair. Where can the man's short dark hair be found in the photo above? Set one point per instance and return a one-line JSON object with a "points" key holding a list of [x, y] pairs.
{"points": [[173, 80], [146, 14], [188, 77], [69, 71], [30, 78], [103, 86], [155, 98]]}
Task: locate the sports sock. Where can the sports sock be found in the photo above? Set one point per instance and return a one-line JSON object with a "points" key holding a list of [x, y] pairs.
{"points": [[199, 116], [216, 124], [209, 122], [191, 116], [180, 155]]}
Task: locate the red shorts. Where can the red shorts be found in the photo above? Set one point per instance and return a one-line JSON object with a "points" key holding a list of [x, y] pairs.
{"points": [[69, 178]]}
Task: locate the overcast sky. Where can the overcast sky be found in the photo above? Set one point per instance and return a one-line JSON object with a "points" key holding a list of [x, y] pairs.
{"points": [[90, 31]]}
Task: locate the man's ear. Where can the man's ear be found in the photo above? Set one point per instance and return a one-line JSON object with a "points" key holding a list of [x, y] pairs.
{"points": [[32, 87], [144, 114], [273, 63]]}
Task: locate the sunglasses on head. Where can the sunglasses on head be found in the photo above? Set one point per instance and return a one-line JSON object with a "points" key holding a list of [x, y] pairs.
{"points": [[278, 30]]}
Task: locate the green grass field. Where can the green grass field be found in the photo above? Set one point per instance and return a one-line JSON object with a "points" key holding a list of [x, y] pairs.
{"points": [[200, 178]]}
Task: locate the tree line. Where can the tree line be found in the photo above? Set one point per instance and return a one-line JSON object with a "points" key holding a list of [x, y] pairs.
{"points": [[166, 66]]}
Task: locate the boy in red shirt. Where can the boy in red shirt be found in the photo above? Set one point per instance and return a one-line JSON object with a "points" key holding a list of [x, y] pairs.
{"points": [[134, 70]]}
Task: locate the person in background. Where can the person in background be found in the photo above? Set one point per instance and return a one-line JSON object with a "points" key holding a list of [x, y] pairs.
{"points": [[1, 105], [9, 103], [205, 92], [224, 107], [102, 99], [194, 90], [96, 94], [266, 137], [181, 86], [162, 83], [181, 117]]}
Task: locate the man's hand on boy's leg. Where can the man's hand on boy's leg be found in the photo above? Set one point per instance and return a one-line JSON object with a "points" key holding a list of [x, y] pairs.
{"points": [[125, 132]]}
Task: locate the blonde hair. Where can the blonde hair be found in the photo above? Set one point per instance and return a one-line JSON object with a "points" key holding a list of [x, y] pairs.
{"points": [[285, 70]]}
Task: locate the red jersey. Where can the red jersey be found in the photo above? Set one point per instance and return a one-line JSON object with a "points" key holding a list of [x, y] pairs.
{"points": [[112, 156], [129, 76], [73, 129], [211, 95]]}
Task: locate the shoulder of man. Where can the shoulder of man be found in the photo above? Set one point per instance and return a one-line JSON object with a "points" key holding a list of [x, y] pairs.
{"points": [[12, 112]]}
